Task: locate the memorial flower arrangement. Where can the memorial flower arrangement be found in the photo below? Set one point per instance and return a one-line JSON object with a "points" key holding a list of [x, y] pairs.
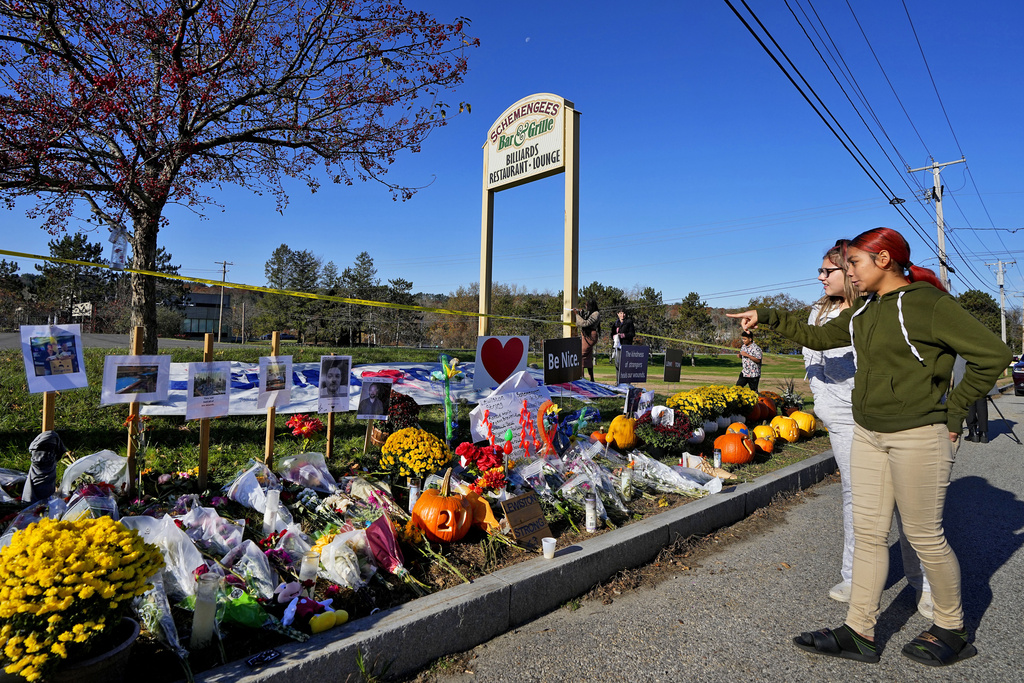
{"points": [[700, 404], [62, 584], [739, 399], [667, 437], [402, 412], [413, 452], [306, 427]]}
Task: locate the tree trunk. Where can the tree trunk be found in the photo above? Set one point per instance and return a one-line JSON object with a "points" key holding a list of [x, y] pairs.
{"points": [[144, 286]]}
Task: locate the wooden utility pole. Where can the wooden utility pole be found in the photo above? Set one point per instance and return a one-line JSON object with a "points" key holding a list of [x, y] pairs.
{"points": [[223, 279], [937, 196]]}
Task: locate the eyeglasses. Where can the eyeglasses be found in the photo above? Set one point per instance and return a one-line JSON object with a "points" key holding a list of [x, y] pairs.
{"points": [[827, 271]]}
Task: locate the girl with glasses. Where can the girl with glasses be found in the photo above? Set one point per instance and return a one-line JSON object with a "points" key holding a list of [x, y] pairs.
{"points": [[830, 374]]}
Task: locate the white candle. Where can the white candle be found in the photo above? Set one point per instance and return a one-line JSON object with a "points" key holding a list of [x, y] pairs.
{"points": [[205, 614], [270, 511], [307, 571]]}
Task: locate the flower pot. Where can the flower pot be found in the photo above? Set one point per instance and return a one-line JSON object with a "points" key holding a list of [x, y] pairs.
{"points": [[710, 427], [377, 437], [697, 436], [723, 421], [102, 667]]}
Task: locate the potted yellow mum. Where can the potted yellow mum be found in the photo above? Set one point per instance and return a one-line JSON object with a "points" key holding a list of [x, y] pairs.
{"points": [[64, 589]]}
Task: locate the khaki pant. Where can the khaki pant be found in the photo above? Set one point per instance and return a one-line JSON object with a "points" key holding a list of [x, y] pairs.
{"points": [[908, 469]]}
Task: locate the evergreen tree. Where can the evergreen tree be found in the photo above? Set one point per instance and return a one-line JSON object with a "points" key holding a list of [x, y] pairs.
{"points": [[65, 284]]}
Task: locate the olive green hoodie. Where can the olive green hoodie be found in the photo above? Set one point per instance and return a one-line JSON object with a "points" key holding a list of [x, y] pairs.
{"points": [[905, 342]]}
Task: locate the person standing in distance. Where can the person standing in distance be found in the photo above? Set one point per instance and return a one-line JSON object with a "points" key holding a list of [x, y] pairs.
{"points": [[623, 332], [589, 322], [750, 357]]}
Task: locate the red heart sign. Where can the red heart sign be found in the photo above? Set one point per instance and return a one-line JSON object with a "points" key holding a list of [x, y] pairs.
{"points": [[500, 361]]}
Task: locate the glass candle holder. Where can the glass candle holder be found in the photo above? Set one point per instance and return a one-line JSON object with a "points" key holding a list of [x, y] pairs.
{"points": [[308, 570], [270, 511], [204, 616]]}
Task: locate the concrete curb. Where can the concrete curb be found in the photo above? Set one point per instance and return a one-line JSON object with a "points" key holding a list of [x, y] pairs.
{"points": [[412, 635]]}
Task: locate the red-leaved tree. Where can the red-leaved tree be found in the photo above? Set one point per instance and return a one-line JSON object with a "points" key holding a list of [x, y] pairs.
{"points": [[112, 109]]}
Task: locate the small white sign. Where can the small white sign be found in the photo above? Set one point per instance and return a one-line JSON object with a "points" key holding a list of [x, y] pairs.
{"points": [[275, 381], [135, 378], [335, 375], [497, 359], [374, 398], [53, 357], [209, 390]]}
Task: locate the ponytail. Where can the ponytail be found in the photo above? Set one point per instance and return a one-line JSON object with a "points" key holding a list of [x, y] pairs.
{"points": [[886, 239]]}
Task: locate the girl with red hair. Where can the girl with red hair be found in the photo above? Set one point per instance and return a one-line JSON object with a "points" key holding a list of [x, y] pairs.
{"points": [[905, 335]]}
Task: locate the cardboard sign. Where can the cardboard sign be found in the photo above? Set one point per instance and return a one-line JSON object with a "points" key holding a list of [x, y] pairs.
{"points": [[526, 519], [497, 359], [673, 363], [563, 360], [632, 364]]}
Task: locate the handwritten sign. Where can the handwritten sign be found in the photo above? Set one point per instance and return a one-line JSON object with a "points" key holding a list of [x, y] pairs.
{"points": [[563, 360], [632, 364], [503, 412], [673, 364], [526, 519]]}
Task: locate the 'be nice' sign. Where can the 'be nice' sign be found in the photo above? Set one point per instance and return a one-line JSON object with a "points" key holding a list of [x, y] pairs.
{"points": [[563, 360]]}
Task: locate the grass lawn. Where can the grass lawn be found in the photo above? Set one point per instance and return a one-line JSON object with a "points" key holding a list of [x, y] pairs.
{"points": [[87, 427]]}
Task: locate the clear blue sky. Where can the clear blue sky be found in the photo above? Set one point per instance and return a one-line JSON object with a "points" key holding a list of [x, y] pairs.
{"points": [[703, 169]]}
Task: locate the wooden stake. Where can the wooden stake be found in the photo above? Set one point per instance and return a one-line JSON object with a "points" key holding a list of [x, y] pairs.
{"points": [[49, 410], [329, 448], [133, 426], [268, 449], [204, 423], [366, 441]]}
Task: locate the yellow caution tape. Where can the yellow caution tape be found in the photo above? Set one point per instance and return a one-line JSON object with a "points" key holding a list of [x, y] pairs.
{"points": [[329, 297]]}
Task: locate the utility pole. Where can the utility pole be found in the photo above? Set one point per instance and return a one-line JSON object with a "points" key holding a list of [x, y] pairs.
{"points": [[1002, 295], [937, 196], [223, 279]]}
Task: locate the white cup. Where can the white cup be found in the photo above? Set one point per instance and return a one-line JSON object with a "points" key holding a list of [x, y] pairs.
{"points": [[549, 547]]}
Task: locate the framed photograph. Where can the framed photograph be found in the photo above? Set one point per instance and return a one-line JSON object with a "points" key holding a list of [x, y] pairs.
{"points": [[135, 378], [209, 390], [53, 357], [275, 381], [374, 398], [333, 385]]}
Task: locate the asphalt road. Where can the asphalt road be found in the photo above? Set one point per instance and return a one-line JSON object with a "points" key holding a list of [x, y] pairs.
{"points": [[733, 618]]}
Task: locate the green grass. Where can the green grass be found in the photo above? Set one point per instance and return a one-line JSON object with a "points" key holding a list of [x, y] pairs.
{"points": [[87, 427]]}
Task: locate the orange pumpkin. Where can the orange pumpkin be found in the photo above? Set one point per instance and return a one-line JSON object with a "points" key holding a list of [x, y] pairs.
{"points": [[738, 428], [787, 428], [766, 445], [769, 406], [599, 436], [737, 449], [444, 516], [764, 432]]}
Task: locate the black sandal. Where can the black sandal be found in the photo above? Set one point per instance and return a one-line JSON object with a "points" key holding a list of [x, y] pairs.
{"points": [[842, 642], [939, 647]]}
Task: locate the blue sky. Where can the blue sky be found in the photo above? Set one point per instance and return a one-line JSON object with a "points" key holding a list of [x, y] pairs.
{"points": [[702, 168]]}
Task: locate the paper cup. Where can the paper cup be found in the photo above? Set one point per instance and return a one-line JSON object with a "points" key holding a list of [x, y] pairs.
{"points": [[549, 547]]}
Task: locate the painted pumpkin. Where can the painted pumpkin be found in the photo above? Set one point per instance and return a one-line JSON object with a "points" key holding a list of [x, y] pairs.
{"points": [[737, 449], [764, 432], [444, 516], [766, 445], [622, 433], [787, 429], [805, 421], [483, 515], [738, 428]]}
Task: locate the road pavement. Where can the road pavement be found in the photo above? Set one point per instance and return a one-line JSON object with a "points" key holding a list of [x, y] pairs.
{"points": [[12, 340], [733, 618]]}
